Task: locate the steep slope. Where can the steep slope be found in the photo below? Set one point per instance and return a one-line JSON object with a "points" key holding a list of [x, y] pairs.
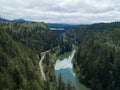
{"points": [[78, 33], [36, 36], [97, 61], [18, 66], [21, 45], [33, 35]]}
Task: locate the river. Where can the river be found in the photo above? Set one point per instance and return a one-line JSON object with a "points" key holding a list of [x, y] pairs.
{"points": [[65, 67]]}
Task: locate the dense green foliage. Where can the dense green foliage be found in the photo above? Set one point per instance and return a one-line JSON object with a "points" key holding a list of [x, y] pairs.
{"points": [[20, 46], [18, 66], [48, 64], [65, 47], [97, 61], [78, 34], [36, 36], [33, 35]]}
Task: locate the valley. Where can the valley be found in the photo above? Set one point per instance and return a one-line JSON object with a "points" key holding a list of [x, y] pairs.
{"points": [[59, 44], [33, 57]]}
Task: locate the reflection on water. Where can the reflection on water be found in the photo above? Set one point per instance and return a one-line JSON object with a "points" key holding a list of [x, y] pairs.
{"points": [[65, 63], [65, 67]]}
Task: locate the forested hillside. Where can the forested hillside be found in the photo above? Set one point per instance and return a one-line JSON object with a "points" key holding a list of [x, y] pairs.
{"points": [[59, 44], [36, 36], [97, 61], [78, 33], [21, 45], [18, 66]]}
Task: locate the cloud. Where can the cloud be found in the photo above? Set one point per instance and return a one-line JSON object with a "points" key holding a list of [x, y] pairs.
{"points": [[62, 11]]}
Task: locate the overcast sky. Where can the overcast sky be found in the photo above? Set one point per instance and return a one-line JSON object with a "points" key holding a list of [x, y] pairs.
{"points": [[62, 11]]}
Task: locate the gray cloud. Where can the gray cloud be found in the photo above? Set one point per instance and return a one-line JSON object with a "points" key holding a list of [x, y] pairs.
{"points": [[62, 11]]}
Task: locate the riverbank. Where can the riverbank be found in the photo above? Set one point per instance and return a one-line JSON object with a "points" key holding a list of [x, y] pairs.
{"points": [[65, 67], [81, 86]]}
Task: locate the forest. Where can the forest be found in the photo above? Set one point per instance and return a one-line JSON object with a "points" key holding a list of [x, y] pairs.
{"points": [[20, 48], [96, 62], [78, 33]]}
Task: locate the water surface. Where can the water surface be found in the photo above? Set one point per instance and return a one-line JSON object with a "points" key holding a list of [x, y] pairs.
{"points": [[65, 67]]}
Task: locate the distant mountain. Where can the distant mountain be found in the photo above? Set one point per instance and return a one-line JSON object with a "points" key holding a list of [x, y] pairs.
{"points": [[20, 20], [15, 20], [59, 25], [3, 19]]}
